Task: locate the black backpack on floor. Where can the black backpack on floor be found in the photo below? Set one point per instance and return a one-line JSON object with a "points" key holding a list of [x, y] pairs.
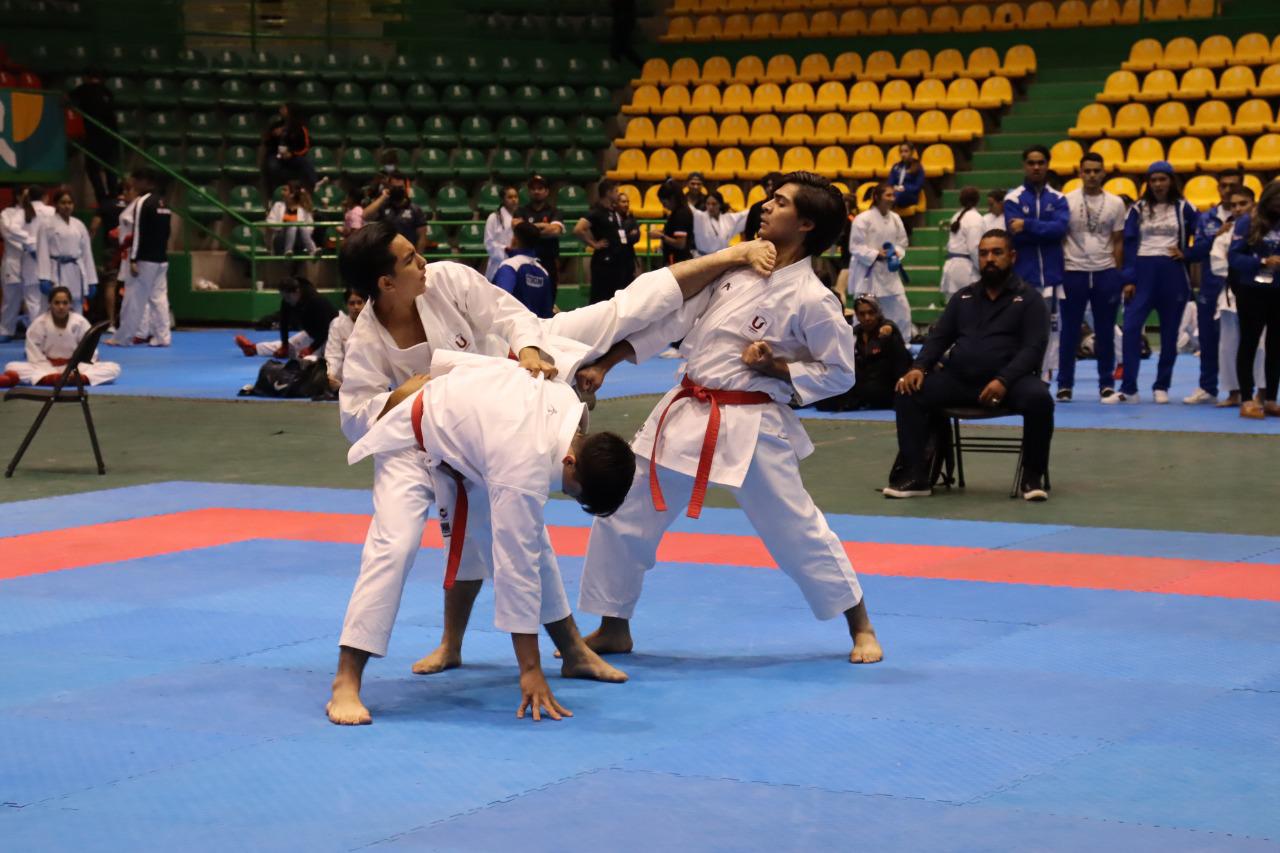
{"points": [[292, 378]]}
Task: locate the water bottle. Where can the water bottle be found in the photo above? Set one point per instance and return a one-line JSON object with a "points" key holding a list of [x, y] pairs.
{"points": [[891, 258]]}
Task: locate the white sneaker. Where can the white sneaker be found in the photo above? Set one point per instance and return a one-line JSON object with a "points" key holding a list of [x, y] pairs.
{"points": [[1160, 397], [1116, 397], [1199, 396]]}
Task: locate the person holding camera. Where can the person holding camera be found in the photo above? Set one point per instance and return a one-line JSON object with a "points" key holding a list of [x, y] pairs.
{"points": [[393, 205]]}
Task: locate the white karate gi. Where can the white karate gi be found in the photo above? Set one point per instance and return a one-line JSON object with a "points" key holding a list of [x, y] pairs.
{"points": [[961, 266], [49, 348], [20, 239], [144, 311], [712, 235], [64, 256], [759, 449], [335, 346], [869, 275], [992, 221], [27, 260], [1229, 320], [293, 233], [497, 239]]}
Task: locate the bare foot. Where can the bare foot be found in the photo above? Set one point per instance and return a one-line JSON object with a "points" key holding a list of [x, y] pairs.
{"points": [[609, 641], [438, 661], [866, 648], [587, 664], [346, 709]]}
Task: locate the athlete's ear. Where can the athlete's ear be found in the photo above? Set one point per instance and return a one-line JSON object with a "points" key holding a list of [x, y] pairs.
{"points": [[569, 459]]}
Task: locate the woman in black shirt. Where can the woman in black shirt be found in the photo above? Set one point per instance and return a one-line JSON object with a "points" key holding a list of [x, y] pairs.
{"points": [[880, 358]]}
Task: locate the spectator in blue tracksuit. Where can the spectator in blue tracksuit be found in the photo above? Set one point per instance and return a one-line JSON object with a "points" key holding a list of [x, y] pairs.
{"points": [[522, 275], [1211, 222], [1254, 274], [1157, 235], [907, 179]]}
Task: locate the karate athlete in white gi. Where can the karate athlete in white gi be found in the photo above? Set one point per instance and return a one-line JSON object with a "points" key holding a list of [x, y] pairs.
{"points": [[335, 346], [20, 227], [869, 272], [497, 231], [52, 339], [64, 253], [754, 343], [963, 235]]}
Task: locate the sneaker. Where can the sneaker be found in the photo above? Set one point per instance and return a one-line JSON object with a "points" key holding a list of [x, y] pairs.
{"points": [[1107, 395], [1160, 397], [1121, 397], [1199, 396], [1064, 395], [912, 489], [1253, 410], [247, 346], [1033, 488], [1231, 401]]}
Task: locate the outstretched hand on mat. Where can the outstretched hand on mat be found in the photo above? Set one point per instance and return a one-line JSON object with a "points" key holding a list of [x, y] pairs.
{"points": [[536, 696]]}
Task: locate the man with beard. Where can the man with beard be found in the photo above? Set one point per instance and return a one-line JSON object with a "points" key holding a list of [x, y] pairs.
{"points": [[993, 333]]}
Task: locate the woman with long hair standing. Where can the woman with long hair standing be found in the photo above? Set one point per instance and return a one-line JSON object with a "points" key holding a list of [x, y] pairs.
{"points": [[965, 232], [1254, 276]]}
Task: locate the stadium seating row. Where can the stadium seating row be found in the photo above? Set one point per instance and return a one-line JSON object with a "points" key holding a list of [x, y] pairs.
{"points": [[1186, 154], [1172, 118], [1235, 81], [1214, 52], [801, 129], [880, 65], [711, 7], [729, 164], [995, 92]]}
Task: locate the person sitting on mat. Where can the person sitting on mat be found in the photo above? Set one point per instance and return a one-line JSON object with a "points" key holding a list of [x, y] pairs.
{"points": [[51, 341], [301, 307], [880, 356], [993, 334]]}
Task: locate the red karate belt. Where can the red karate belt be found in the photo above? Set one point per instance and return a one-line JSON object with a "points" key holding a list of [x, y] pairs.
{"points": [[458, 532], [717, 399]]}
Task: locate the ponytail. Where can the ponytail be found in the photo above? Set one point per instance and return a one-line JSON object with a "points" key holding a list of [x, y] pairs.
{"points": [[968, 201]]}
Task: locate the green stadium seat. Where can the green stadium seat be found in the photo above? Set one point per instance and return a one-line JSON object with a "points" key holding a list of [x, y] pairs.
{"points": [[514, 130], [240, 162], [169, 155], [552, 132], [577, 72], [437, 241], [420, 98], [311, 96], [451, 202], [159, 93], [562, 100], [328, 199], [541, 70], [205, 127], [247, 200], [247, 240], [200, 163], [494, 99], [368, 69], [348, 97], [471, 238], [469, 163], [162, 126], [581, 165], [202, 209], [116, 59], [271, 94], [227, 64], [457, 100], [358, 163], [400, 130], [489, 196], [324, 129], [197, 93], [609, 73], [296, 66], [440, 131], [571, 201], [432, 164], [508, 164], [477, 130], [396, 155], [384, 97], [72, 58], [332, 69], [362, 130], [234, 94], [325, 160], [598, 100], [545, 162], [126, 118], [508, 71], [122, 89], [589, 132], [243, 127], [262, 65], [474, 70], [528, 100], [71, 81], [403, 70], [156, 60], [190, 63], [440, 69]]}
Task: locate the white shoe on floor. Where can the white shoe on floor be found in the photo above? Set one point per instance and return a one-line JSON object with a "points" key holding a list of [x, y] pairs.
{"points": [[1121, 397], [1160, 397], [1199, 396]]}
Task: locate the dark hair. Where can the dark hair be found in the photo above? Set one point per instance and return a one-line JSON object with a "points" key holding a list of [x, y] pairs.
{"points": [[366, 256], [771, 179], [350, 292], [299, 283], [873, 302], [1149, 197], [913, 164], [1034, 149], [1262, 223], [59, 193], [878, 191], [719, 200], [821, 203], [697, 175], [968, 201], [671, 191], [1093, 157], [999, 233], [1245, 191], [297, 118], [605, 187], [604, 468], [60, 289], [1231, 173], [999, 193], [526, 234]]}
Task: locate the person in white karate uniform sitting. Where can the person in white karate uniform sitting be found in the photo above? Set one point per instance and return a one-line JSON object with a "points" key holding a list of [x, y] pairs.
{"points": [[335, 347], [64, 253], [877, 248], [51, 341]]}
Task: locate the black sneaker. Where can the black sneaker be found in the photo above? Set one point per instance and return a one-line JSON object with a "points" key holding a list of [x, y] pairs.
{"points": [[1033, 488], [909, 489], [1064, 395]]}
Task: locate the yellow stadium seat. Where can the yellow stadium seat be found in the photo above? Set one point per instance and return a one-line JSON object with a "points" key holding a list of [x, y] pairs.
{"points": [[670, 133], [781, 69], [1268, 85], [1215, 52], [945, 19], [1274, 56], [1071, 13], [1212, 118], [694, 160], [799, 98], [1102, 13], [732, 195], [863, 127], [966, 126], [716, 71], [793, 25], [755, 194], [733, 130], [675, 99], [1038, 16], [1201, 191], [1019, 61], [1072, 185], [705, 99], [1170, 119], [797, 130], [685, 7], [830, 129], [1253, 183], [830, 96], [913, 21], [853, 22], [797, 159], [914, 63], [1253, 117], [761, 162], [1166, 10], [962, 92], [680, 29], [684, 70], [895, 95], [765, 25], [1266, 154], [765, 98], [1122, 186], [832, 162], [643, 100], [823, 24], [1092, 121], [1006, 16], [749, 70], [880, 66], [735, 99], [662, 164], [765, 130], [651, 207], [639, 133], [1064, 157], [1196, 84], [1130, 12], [974, 19], [1121, 86], [1199, 9], [1227, 152], [702, 132], [937, 161], [736, 27], [948, 64], [882, 22], [1145, 55], [929, 95], [1110, 150], [1179, 54], [1131, 121], [1158, 85], [654, 71], [863, 95], [814, 68], [1237, 82], [983, 62], [1251, 49], [1185, 154], [931, 126], [995, 93], [730, 162], [896, 127], [630, 162], [867, 162], [709, 28], [1142, 153], [847, 66]]}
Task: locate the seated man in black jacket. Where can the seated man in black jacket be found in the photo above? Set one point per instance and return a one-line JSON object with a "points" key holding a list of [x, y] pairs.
{"points": [[990, 342]]}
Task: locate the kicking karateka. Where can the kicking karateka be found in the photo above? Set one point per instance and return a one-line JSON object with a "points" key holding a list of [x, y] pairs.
{"points": [[64, 253], [52, 339], [754, 343]]}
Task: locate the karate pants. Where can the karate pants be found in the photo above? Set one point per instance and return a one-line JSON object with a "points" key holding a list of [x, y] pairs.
{"points": [[10, 308], [1210, 329], [623, 546], [68, 275], [298, 341], [98, 373], [1228, 346], [1161, 286], [149, 288], [35, 301], [1100, 292]]}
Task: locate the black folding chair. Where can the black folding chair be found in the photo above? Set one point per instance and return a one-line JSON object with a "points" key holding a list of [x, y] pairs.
{"points": [[70, 388], [984, 443]]}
